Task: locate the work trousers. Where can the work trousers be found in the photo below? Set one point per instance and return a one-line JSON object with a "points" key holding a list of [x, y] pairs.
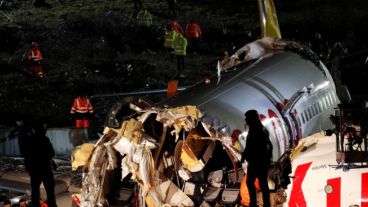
{"points": [[82, 123], [82, 120], [45, 176], [180, 63], [256, 171]]}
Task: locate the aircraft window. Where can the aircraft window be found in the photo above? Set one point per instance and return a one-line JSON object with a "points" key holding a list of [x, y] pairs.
{"points": [[321, 104], [319, 107], [303, 117], [332, 98], [306, 116], [327, 101], [298, 120], [310, 113], [315, 108], [324, 103], [314, 112]]}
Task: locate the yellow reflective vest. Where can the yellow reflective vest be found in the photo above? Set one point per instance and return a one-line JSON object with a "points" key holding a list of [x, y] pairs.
{"points": [[169, 39], [180, 45], [144, 18]]}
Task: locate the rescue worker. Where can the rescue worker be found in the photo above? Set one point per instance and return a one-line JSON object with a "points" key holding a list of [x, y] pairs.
{"points": [[144, 18], [170, 36], [193, 33], [180, 51], [173, 24], [318, 46], [34, 57], [38, 153], [82, 110], [258, 154]]}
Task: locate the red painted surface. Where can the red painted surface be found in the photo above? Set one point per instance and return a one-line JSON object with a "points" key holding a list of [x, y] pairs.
{"points": [[334, 197], [364, 190], [296, 196]]}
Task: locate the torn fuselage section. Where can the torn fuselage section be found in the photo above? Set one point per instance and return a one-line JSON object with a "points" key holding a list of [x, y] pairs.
{"points": [[168, 153]]}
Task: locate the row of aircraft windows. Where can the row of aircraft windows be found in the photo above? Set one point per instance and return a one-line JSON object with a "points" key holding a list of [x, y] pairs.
{"points": [[322, 104]]}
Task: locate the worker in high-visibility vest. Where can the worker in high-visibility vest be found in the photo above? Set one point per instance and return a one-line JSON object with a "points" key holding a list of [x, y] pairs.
{"points": [[82, 110], [34, 57], [144, 18], [180, 50], [170, 36]]}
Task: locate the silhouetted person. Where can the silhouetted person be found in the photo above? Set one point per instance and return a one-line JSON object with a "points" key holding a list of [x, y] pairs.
{"points": [[38, 153], [258, 154], [318, 46]]}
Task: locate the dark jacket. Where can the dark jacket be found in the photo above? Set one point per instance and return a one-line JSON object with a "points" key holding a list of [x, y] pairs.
{"points": [[37, 151], [258, 149]]}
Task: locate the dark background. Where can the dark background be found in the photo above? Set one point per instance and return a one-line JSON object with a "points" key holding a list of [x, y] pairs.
{"points": [[95, 46]]}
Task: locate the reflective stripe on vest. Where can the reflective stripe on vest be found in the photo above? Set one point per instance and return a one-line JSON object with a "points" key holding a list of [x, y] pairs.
{"points": [[180, 45], [80, 107], [169, 39], [144, 19]]}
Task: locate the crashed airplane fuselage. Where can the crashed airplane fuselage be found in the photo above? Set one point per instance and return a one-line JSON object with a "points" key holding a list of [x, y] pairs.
{"points": [[170, 149]]}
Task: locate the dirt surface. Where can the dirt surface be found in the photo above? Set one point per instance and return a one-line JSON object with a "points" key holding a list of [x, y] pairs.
{"points": [[95, 46]]}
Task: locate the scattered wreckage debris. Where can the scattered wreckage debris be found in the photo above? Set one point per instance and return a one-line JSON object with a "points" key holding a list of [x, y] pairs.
{"points": [[15, 182], [174, 157]]}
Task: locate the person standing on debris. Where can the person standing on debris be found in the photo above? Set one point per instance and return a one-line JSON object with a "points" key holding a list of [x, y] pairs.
{"points": [[144, 18], [82, 110], [38, 156], [193, 33], [258, 154], [180, 51], [34, 57]]}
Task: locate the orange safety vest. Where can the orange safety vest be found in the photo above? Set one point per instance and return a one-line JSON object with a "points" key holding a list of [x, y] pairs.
{"points": [[81, 105], [193, 30], [34, 54]]}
